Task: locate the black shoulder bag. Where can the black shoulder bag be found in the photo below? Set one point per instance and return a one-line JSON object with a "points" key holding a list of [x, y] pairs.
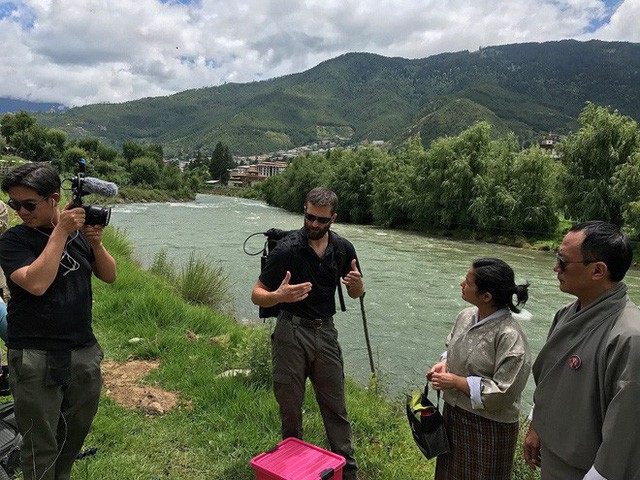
{"points": [[427, 424]]}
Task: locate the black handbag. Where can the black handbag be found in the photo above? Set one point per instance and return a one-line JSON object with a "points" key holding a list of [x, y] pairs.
{"points": [[427, 424]]}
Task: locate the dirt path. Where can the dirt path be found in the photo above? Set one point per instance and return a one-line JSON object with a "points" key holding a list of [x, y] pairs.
{"points": [[122, 383]]}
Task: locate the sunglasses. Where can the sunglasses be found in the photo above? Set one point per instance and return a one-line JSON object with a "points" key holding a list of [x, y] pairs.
{"points": [[312, 218], [562, 263], [28, 205]]}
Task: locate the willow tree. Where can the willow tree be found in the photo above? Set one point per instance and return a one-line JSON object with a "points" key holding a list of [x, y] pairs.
{"points": [[493, 204], [444, 179], [626, 181], [591, 156], [534, 186], [391, 193], [352, 183]]}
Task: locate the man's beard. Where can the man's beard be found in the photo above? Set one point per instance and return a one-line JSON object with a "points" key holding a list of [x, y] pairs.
{"points": [[316, 234]]}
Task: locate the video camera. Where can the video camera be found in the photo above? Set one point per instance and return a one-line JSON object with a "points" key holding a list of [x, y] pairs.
{"points": [[82, 185]]}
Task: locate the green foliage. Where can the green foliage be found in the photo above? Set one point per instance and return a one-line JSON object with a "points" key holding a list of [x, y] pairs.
{"points": [[465, 181], [70, 159], [11, 124], [37, 143], [591, 156], [534, 186], [163, 267], [221, 162], [253, 353], [171, 178], [144, 171], [352, 182], [145, 168], [202, 282], [445, 174], [131, 150], [89, 144], [392, 177], [289, 189], [195, 177], [517, 190]]}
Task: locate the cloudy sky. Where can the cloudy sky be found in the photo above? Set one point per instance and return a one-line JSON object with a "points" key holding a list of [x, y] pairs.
{"points": [[77, 52]]}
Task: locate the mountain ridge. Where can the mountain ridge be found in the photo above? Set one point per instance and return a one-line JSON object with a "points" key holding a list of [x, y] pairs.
{"points": [[530, 88]]}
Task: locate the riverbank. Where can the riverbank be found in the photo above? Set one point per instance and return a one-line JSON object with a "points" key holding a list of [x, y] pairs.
{"points": [[543, 242], [221, 422], [534, 241]]}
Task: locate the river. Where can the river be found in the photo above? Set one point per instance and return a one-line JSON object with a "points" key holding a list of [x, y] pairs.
{"points": [[412, 280]]}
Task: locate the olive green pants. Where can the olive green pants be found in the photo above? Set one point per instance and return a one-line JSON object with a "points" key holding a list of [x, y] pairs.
{"points": [[299, 353], [53, 420]]}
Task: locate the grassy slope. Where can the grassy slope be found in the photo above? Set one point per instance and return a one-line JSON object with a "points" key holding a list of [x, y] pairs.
{"points": [[231, 419]]}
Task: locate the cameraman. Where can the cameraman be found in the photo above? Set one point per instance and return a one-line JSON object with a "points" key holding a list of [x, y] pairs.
{"points": [[54, 358]]}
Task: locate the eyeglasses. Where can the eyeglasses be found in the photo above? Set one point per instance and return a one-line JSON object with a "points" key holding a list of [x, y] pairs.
{"points": [[28, 205], [313, 218], [562, 263]]}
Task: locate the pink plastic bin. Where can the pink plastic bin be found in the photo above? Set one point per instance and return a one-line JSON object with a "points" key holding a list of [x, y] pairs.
{"points": [[293, 459]]}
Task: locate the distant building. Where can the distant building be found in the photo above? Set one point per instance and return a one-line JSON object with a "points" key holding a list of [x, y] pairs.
{"points": [[549, 143], [269, 169], [247, 176]]}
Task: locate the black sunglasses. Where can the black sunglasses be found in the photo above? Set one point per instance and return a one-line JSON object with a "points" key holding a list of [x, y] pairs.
{"points": [[28, 205], [562, 263], [312, 218]]}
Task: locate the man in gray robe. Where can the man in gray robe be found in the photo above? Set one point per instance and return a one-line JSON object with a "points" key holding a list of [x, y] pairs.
{"points": [[587, 397]]}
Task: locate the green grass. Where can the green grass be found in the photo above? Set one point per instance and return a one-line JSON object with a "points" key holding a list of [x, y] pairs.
{"points": [[200, 281], [230, 420]]}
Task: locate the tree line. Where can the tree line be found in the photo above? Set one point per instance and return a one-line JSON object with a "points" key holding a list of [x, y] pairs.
{"points": [[135, 165], [476, 181]]}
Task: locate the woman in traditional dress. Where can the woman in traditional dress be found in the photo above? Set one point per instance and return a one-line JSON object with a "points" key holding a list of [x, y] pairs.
{"points": [[482, 374]]}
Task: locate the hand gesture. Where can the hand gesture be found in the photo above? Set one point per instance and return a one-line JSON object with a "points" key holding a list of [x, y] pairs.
{"points": [[353, 279], [71, 219], [288, 293]]}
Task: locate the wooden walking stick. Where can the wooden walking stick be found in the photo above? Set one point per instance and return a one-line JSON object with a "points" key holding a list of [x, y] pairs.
{"points": [[366, 334]]}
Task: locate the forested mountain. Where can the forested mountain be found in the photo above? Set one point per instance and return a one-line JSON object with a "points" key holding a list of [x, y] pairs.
{"points": [[526, 88]]}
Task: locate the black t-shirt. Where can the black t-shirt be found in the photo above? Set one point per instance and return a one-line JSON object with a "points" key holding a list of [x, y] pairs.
{"points": [[59, 319], [305, 266]]}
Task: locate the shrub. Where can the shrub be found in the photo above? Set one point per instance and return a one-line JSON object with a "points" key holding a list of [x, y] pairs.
{"points": [[200, 282], [163, 267], [253, 353]]}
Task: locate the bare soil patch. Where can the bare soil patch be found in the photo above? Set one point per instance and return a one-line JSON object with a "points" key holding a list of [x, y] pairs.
{"points": [[122, 384]]}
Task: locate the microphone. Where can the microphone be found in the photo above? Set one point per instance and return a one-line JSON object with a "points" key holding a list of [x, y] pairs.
{"points": [[101, 187]]}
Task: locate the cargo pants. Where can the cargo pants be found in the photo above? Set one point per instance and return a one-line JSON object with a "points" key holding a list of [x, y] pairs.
{"points": [[298, 353], [53, 420]]}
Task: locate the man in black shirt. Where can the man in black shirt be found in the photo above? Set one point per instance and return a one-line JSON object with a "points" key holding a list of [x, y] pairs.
{"points": [[54, 358], [301, 275]]}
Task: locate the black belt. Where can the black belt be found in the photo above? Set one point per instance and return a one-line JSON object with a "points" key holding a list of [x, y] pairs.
{"points": [[306, 322]]}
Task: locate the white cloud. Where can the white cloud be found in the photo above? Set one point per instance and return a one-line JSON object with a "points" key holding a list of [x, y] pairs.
{"points": [[622, 25], [87, 51]]}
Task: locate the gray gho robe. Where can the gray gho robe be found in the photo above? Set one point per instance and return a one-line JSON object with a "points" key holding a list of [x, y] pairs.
{"points": [[587, 397], [495, 350]]}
